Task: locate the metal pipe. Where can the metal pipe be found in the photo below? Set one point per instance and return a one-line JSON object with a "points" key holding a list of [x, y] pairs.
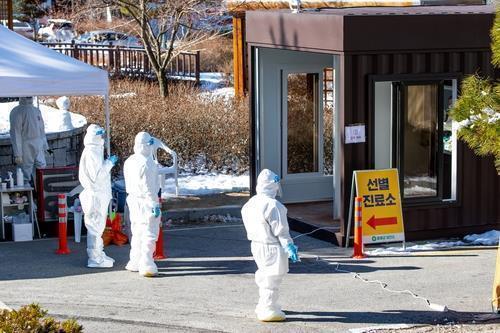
{"points": [[108, 125]]}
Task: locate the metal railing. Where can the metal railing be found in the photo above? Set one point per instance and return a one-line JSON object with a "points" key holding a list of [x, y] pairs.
{"points": [[129, 61]]}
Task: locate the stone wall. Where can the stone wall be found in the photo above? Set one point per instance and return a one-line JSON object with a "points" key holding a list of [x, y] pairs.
{"points": [[67, 147]]}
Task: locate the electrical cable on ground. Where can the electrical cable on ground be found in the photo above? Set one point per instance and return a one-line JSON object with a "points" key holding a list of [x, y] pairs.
{"points": [[312, 232], [383, 285]]}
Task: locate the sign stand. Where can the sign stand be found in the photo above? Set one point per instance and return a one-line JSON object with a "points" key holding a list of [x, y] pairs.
{"points": [[351, 203], [382, 206]]}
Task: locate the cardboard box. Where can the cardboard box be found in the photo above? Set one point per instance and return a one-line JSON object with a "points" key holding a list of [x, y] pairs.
{"points": [[22, 232]]}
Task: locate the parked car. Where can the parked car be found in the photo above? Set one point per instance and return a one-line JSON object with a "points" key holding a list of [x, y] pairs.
{"points": [[22, 28], [109, 36], [57, 30]]}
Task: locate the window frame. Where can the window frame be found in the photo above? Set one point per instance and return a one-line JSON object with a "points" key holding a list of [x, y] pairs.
{"points": [[438, 78]]}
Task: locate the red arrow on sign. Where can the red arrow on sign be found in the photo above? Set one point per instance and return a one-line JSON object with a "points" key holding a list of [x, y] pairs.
{"points": [[374, 222]]}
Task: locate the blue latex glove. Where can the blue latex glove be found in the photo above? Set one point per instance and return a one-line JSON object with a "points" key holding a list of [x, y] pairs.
{"points": [[292, 249], [156, 211], [113, 159]]}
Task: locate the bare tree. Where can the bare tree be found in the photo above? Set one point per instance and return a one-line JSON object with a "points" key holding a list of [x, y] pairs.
{"points": [[167, 27]]}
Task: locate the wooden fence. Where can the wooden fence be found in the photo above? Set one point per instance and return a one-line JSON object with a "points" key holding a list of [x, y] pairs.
{"points": [[130, 61], [6, 13]]}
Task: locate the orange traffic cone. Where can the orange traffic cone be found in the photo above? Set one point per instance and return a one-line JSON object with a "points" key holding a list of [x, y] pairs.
{"points": [[358, 230], [63, 225], [159, 242], [159, 247]]}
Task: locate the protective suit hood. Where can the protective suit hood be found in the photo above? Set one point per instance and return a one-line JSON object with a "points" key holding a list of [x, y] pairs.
{"points": [[26, 101], [92, 137], [142, 144], [268, 183]]}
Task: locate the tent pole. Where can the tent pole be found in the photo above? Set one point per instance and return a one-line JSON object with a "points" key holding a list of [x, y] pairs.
{"points": [[108, 136]]}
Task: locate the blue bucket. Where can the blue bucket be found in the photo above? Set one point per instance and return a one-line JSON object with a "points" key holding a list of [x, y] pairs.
{"points": [[120, 194]]}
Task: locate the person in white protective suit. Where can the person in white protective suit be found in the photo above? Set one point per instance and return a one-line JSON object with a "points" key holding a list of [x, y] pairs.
{"points": [[95, 177], [142, 185], [27, 134], [266, 224]]}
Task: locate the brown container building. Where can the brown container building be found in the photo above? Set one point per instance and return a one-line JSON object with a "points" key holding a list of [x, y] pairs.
{"points": [[393, 71]]}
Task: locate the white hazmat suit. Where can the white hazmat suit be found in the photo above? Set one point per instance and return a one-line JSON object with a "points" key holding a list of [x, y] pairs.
{"points": [[95, 178], [142, 185], [266, 224], [27, 134]]}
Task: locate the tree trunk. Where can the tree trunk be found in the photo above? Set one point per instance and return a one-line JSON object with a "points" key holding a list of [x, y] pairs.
{"points": [[162, 83]]}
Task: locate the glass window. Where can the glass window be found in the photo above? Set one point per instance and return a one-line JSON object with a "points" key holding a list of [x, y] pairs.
{"points": [[302, 120], [420, 141], [413, 132]]}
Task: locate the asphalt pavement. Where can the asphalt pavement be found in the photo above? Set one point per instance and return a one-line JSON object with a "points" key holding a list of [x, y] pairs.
{"points": [[207, 285]]}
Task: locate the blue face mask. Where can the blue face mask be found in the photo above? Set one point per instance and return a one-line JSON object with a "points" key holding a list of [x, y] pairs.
{"points": [[100, 132]]}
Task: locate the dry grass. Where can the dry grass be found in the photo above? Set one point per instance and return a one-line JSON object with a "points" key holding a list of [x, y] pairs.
{"points": [[217, 55], [206, 133]]}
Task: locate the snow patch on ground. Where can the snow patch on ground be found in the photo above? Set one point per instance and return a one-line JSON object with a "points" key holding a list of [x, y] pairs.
{"points": [[212, 81], [222, 218], [489, 238], [226, 94], [124, 95], [199, 185], [52, 117], [214, 86]]}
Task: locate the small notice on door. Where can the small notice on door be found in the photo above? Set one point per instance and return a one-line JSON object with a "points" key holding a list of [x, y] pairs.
{"points": [[355, 134], [381, 205]]}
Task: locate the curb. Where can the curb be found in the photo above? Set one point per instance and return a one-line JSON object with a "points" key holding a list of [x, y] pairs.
{"points": [[190, 214]]}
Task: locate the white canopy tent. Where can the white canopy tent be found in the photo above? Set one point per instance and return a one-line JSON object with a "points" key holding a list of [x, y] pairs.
{"points": [[30, 69]]}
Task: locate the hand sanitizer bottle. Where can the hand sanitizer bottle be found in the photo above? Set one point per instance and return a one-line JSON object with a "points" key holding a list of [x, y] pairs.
{"points": [[19, 178], [11, 179]]}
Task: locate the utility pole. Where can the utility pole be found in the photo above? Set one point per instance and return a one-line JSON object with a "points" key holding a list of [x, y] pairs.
{"points": [[10, 12], [6, 17]]}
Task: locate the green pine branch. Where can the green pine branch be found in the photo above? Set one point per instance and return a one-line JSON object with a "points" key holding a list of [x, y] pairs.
{"points": [[477, 111]]}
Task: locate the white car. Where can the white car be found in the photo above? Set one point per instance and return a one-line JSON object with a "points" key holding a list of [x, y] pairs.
{"points": [[22, 28], [109, 36]]}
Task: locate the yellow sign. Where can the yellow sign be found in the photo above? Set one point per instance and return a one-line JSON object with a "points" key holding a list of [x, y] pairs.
{"points": [[496, 285], [382, 212]]}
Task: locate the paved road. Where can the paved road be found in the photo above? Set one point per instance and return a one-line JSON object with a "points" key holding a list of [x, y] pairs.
{"points": [[206, 285]]}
